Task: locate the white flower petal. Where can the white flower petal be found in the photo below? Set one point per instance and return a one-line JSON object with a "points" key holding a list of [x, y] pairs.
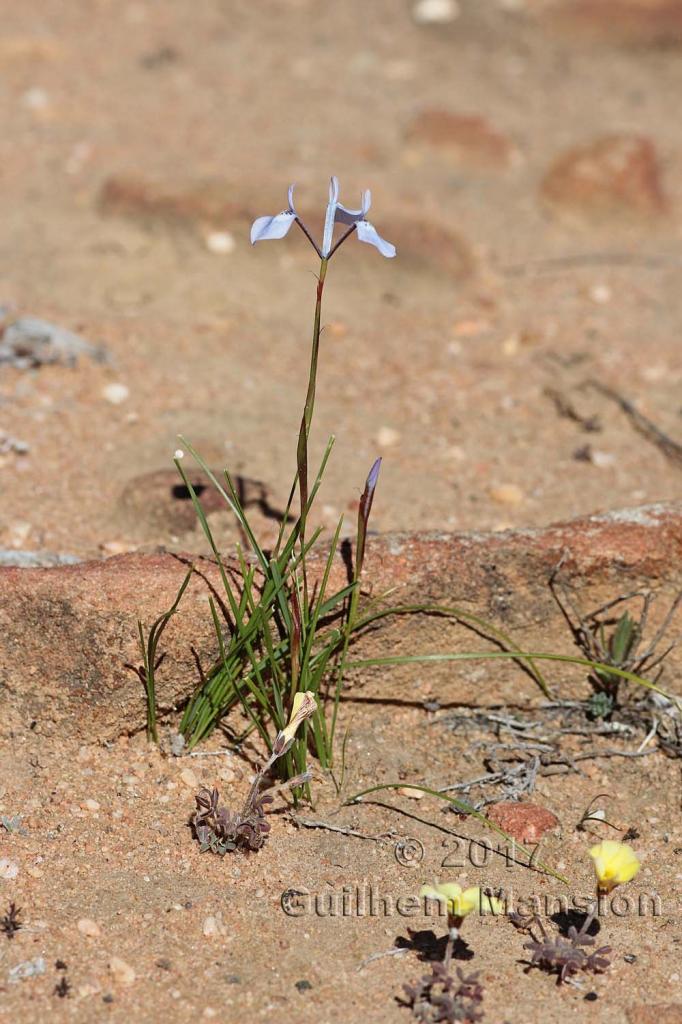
{"points": [[271, 227], [366, 233]]}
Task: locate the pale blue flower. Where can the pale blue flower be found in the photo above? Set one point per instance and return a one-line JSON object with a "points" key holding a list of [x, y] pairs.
{"points": [[356, 220], [274, 227]]}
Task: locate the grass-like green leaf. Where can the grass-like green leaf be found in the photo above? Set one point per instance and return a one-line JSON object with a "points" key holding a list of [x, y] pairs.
{"points": [[408, 659], [149, 659], [465, 808]]}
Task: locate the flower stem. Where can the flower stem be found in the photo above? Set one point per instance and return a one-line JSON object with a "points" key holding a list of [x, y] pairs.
{"points": [[592, 913], [453, 935], [306, 420]]}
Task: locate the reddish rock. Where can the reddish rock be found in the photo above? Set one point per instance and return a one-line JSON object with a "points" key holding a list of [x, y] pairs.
{"points": [[69, 633], [420, 242], [613, 177], [622, 22], [527, 823], [209, 204], [462, 138], [659, 1013]]}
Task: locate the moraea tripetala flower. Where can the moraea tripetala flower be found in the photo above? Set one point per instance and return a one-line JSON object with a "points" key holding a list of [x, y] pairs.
{"points": [[461, 902], [265, 228], [614, 864]]}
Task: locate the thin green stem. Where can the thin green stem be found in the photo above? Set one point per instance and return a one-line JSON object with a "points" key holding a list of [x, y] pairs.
{"points": [[453, 935], [569, 659], [306, 421]]}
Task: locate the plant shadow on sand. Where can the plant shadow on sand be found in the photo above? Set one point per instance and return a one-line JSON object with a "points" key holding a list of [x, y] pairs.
{"points": [[430, 948]]}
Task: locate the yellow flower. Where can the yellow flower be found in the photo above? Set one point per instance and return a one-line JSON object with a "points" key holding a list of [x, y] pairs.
{"points": [[614, 864], [461, 902]]}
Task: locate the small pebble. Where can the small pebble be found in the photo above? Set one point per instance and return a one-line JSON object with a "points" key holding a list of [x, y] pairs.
{"points": [[90, 805], [115, 547], [602, 460], [115, 393], [86, 926], [27, 969], [189, 778], [601, 294], [511, 344], [470, 328], [387, 436], [213, 925], [414, 794], [86, 990], [220, 242], [35, 99], [122, 972], [655, 372], [18, 533], [337, 329], [8, 869], [177, 743], [435, 12], [507, 494]]}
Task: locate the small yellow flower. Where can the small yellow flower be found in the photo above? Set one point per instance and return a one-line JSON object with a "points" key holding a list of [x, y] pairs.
{"points": [[461, 902], [614, 864], [303, 707]]}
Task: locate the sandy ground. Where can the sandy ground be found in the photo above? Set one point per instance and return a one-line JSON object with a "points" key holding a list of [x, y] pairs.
{"points": [[439, 360], [137, 139], [206, 938]]}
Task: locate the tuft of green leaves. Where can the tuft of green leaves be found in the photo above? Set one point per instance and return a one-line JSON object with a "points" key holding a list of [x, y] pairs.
{"points": [[275, 636], [150, 661]]}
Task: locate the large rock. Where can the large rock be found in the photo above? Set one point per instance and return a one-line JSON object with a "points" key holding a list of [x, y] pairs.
{"points": [[462, 139], [612, 178], [636, 23], [197, 204], [69, 633], [526, 822]]}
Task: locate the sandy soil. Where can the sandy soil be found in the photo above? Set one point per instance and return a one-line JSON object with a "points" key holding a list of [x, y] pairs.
{"points": [[439, 360], [132, 134], [127, 863]]}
